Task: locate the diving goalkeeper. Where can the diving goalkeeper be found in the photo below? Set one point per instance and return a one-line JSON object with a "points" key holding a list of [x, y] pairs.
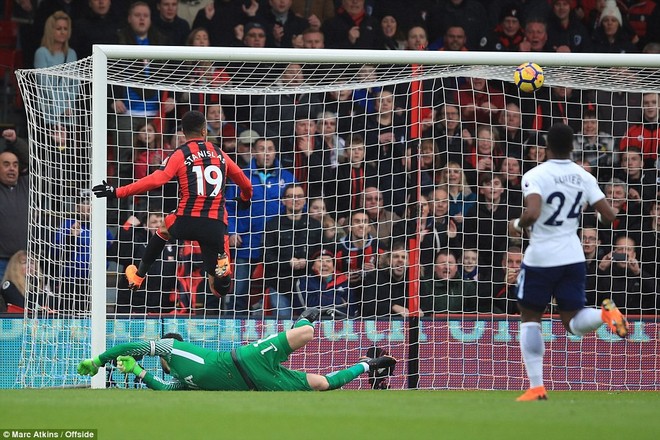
{"points": [[256, 366]]}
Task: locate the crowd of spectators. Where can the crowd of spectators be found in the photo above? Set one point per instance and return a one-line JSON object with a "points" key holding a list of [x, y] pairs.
{"points": [[341, 186], [499, 25]]}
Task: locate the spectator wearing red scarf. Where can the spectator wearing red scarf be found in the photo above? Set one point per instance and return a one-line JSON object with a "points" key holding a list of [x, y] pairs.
{"points": [[148, 151], [645, 135], [487, 154], [480, 102]]}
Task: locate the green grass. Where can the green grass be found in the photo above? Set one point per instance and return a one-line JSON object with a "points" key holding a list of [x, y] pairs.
{"points": [[343, 415]]}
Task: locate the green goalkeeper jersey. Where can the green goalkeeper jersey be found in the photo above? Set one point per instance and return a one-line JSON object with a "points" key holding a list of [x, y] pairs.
{"points": [[195, 367]]}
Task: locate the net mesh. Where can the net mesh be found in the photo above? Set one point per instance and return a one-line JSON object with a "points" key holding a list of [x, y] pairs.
{"points": [[380, 152], [259, 78]]}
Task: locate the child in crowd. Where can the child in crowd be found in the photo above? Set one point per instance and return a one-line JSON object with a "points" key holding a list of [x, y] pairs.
{"points": [[469, 269], [324, 288]]}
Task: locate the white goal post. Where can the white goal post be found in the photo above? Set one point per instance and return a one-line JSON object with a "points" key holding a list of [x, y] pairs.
{"points": [[461, 348]]}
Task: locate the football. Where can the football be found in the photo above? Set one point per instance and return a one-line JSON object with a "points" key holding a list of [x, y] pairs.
{"points": [[528, 77]]}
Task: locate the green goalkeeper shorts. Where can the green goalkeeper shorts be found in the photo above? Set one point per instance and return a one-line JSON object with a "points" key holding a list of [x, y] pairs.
{"points": [[262, 361]]}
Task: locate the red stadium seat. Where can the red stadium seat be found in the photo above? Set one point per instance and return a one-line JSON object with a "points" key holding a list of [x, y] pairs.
{"points": [[14, 309], [11, 59]]}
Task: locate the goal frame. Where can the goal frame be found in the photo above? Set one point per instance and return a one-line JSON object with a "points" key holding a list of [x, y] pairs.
{"points": [[101, 54]]}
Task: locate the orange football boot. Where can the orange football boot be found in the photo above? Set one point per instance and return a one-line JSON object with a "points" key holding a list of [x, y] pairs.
{"points": [[134, 280], [223, 268], [611, 315], [536, 393]]}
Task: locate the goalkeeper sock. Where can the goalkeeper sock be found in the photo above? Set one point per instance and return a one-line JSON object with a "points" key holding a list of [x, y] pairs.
{"points": [[585, 321], [342, 377], [153, 251], [532, 347]]}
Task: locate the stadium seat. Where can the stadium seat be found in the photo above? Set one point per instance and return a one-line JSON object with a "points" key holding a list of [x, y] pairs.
{"points": [[11, 308]]}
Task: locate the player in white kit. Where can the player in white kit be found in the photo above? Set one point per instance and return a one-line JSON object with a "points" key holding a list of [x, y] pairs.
{"points": [[555, 193]]}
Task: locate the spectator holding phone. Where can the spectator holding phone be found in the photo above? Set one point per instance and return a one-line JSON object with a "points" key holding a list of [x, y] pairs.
{"points": [[621, 278]]}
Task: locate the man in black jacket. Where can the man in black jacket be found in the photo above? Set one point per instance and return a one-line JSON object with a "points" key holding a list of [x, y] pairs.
{"points": [[14, 196], [385, 291], [351, 27], [281, 24], [290, 239], [100, 25]]}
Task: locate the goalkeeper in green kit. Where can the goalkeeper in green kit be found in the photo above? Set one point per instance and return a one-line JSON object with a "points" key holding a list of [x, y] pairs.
{"points": [[255, 366]]}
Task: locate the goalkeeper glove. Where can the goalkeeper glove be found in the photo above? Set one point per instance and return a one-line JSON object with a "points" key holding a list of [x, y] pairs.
{"points": [[242, 204], [89, 367], [104, 190], [127, 364]]}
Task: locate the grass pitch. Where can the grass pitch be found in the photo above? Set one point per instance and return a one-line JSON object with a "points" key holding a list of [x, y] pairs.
{"points": [[343, 415]]}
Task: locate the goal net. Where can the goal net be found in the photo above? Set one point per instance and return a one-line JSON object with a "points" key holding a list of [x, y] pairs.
{"points": [[383, 183]]}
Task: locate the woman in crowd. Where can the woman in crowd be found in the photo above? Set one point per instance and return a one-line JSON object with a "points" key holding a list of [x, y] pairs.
{"points": [[610, 36], [62, 93], [55, 48], [391, 37], [14, 286], [461, 196]]}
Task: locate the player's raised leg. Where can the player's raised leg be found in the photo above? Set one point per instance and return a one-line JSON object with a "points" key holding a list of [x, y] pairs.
{"points": [[589, 319], [614, 319], [578, 319], [302, 330], [220, 278], [136, 274]]}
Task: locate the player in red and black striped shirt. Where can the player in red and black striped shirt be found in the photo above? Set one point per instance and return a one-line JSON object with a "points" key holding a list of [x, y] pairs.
{"points": [[202, 169]]}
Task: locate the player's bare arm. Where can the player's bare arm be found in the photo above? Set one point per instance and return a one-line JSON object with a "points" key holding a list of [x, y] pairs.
{"points": [[606, 214], [529, 216]]}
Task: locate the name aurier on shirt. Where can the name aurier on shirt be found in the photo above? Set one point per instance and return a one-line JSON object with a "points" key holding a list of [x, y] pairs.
{"points": [[573, 179]]}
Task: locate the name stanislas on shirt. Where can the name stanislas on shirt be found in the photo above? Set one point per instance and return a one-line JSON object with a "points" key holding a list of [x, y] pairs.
{"points": [[191, 158]]}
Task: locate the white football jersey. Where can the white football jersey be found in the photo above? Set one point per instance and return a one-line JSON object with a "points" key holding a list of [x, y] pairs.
{"points": [[565, 189]]}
